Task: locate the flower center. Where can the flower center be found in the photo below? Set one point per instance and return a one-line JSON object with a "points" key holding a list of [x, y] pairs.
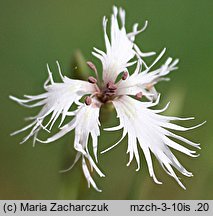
{"points": [[107, 93], [104, 93]]}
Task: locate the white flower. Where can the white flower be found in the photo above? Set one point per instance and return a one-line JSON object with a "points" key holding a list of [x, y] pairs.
{"points": [[139, 122]]}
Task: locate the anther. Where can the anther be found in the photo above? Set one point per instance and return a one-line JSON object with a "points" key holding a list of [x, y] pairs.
{"points": [[125, 75], [111, 86], [92, 80], [149, 86], [139, 95], [88, 100], [92, 66]]}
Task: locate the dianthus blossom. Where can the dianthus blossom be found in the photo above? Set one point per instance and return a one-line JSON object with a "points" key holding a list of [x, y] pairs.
{"points": [[145, 127]]}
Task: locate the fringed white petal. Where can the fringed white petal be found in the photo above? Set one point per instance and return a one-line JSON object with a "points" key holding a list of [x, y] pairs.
{"points": [[144, 80], [88, 175], [85, 123], [119, 48], [56, 101], [149, 129]]}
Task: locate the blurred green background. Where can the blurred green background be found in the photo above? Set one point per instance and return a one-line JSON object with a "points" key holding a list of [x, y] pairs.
{"points": [[33, 33]]}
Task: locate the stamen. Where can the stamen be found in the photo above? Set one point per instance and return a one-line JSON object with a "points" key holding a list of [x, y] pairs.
{"points": [[88, 100], [149, 86], [139, 95], [111, 86], [93, 67], [125, 75], [92, 80]]}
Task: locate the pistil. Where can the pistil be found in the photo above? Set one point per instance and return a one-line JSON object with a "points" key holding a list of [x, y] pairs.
{"points": [[111, 86]]}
